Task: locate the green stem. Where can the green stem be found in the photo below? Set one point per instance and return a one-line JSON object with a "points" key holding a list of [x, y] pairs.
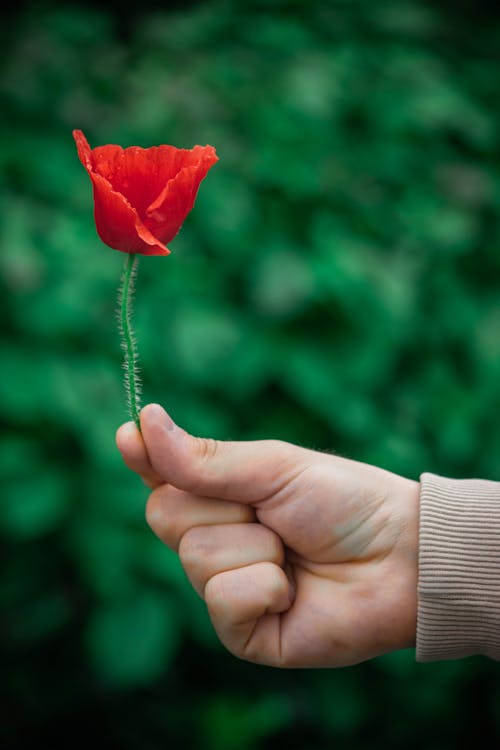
{"points": [[130, 364]]}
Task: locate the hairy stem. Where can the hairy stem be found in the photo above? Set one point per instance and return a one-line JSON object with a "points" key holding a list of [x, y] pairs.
{"points": [[130, 364]]}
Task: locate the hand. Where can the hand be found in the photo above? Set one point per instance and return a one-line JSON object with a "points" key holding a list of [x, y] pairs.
{"points": [[304, 559]]}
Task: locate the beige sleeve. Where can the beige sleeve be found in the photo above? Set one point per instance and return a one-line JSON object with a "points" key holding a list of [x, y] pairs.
{"points": [[459, 569]]}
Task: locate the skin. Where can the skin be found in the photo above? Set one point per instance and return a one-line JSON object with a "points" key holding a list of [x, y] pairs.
{"points": [[304, 559]]}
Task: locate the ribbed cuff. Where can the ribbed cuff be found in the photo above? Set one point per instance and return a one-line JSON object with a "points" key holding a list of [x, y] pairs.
{"points": [[459, 569]]}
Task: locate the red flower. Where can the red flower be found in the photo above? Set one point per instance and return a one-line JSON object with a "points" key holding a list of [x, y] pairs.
{"points": [[143, 195]]}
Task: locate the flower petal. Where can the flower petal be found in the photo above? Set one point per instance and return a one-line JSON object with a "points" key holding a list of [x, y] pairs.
{"points": [[84, 150], [166, 214], [118, 224], [143, 195], [140, 174]]}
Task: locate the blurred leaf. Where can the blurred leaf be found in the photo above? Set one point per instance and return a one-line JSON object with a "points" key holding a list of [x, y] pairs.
{"points": [[132, 641], [106, 553], [282, 282], [232, 723], [34, 503]]}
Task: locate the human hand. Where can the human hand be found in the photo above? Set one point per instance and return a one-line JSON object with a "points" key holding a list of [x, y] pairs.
{"points": [[304, 559]]}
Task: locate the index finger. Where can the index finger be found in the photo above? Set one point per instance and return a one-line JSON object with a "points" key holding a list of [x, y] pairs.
{"points": [[131, 445]]}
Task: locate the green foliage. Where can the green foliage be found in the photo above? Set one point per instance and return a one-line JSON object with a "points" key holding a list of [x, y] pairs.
{"points": [[336, 285], [132, 641]]}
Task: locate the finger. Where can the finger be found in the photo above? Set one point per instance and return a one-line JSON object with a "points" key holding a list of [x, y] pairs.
{"points": [[247, 472], [171, 513], [206, 551], [131, 445], [244, 607]]}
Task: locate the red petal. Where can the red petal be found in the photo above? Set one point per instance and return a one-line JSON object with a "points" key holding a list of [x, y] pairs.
{"points": [[166, 214], [84, 150], [140, 174], [118, 224], [142, 196]]}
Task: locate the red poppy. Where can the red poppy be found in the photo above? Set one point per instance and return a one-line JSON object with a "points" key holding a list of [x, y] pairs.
{"points": [[143, 195]]}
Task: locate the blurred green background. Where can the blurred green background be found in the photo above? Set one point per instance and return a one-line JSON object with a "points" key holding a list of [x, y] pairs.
{"points": [[336, 285]]}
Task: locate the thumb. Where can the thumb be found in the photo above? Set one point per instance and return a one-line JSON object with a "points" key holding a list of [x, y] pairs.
{"points": [[246, 471]]}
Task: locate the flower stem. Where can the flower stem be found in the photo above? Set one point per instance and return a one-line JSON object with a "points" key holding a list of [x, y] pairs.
{"points": [[130, 364]]}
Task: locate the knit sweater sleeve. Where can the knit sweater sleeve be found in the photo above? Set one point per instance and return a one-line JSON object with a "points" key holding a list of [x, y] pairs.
{"points": [[459, 569]]}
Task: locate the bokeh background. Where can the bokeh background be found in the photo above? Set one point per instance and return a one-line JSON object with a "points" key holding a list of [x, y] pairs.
{"points": [[337, 285]]}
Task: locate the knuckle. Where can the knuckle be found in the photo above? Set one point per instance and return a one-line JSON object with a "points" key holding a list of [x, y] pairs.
{"points": [[278, 552], [276, 445], [281, 448], [207, 447], [154, 508], [215, 595], [160, 517], [276, 582], [192, 550], [274, 545]]}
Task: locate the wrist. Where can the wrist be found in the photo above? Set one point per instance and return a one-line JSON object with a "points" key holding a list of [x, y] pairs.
{"points": [[407, 552]]}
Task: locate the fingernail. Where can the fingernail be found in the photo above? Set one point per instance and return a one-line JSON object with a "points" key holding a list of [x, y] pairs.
{"points": [[158, 413]]}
